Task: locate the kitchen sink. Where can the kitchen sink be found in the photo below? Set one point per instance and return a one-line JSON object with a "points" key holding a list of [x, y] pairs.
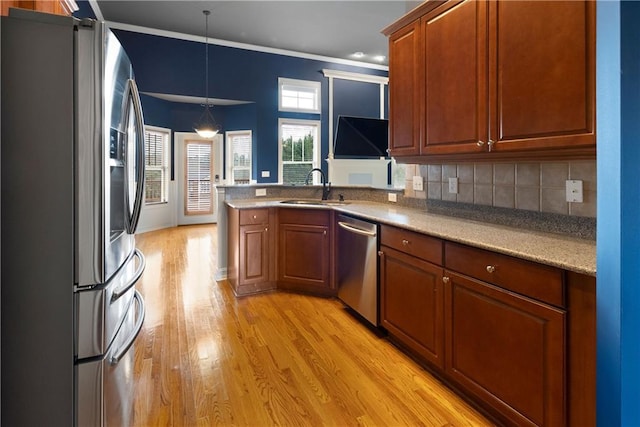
{"points": [[313, 202]]}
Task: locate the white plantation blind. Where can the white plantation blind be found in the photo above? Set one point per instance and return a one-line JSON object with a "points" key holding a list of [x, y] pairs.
{"points": [[198, 170], [239, 146], [156, 166]]}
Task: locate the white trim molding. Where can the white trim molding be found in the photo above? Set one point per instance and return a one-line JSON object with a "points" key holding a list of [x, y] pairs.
{"points": [[358, 77]]}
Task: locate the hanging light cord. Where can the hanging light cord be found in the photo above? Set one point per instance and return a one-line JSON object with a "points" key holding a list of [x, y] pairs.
{"points": [[206, 56]]}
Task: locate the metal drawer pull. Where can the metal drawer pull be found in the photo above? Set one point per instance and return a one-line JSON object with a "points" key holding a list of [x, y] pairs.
{"points": [[405, 242], [132, 281], [491, 268], [119, 354], [356, 230], [445, 279]]}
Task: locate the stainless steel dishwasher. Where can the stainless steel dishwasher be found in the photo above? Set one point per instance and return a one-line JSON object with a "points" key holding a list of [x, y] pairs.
{"points": [[357, 265]]}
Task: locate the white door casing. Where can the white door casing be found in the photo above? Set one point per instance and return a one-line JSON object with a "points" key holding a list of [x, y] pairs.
{"points": [[180, 140]]}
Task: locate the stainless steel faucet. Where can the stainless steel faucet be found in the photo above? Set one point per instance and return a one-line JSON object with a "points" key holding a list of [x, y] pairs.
{"points": [[326, 187]]}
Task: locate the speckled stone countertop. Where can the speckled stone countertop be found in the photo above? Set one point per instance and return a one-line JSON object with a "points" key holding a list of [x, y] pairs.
{"points": [[556, 250]]}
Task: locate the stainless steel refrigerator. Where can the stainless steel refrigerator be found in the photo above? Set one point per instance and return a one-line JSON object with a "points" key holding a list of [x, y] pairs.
{"points": [[72, 164]]}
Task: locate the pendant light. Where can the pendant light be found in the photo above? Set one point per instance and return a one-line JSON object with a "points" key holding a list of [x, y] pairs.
{"points": [[206, 126]]}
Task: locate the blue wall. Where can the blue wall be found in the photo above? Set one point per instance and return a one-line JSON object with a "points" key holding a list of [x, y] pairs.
{"points": [[618, 234], [167, 65]]}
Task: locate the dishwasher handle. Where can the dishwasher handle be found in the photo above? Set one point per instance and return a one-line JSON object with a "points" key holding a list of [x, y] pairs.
{"points": [[356, 230]]}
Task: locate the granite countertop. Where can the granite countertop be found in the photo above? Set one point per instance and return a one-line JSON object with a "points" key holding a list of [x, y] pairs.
{"points": [[577, 255]]}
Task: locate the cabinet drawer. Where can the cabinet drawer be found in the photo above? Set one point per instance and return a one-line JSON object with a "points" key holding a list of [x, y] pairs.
{"points": [[304, 216], [409, 242], [537, 281], [254, 216]]}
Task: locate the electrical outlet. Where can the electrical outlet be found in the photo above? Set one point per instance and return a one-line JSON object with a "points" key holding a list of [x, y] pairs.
{"points": [[393, 197], [453, 185], [266, 174], [574, 191], [261, 192], [418, 183]]}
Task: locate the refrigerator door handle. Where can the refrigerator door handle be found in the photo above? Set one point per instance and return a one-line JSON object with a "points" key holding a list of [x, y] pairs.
{"points": [[139, 158], [134, 334], [123, 290]]}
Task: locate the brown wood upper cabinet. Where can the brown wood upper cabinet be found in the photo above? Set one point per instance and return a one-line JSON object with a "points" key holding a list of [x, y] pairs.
{"points": [[493, 79], [59, 7]]}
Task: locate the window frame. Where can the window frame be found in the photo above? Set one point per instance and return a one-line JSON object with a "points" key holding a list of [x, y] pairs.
{"points": [[165, 169], [229, 145], [315, 86], [316, 146]]}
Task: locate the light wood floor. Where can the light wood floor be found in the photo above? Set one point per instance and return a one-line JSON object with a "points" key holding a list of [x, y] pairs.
{"points": [[207, 358]]}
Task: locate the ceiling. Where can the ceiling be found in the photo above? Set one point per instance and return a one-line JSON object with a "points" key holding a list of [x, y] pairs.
{"points": [[335, 29]]}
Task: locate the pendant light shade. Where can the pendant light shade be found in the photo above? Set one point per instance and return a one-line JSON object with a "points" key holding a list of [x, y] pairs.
{"points": [[206, 127]]}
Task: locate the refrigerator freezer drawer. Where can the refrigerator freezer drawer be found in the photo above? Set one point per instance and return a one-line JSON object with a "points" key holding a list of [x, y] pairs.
{"points": [[105, 386], [101, 310]]}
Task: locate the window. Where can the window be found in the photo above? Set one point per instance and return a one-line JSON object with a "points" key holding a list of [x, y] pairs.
{"points": [[198, 170], [299, 150], [239, 157], [156, 178], [301, 96]]}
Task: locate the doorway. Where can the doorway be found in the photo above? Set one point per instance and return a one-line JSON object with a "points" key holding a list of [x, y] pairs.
{"points": [[198, 169]]}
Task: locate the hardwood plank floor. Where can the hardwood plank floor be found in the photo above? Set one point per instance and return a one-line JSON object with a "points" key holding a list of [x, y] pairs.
{"points": [[205, 357]]}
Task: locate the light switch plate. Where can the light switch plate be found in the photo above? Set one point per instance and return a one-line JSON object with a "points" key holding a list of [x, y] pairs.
{"points": [[261, 192], [418, 183], [393, 197], [266, 174], [574, 191]]}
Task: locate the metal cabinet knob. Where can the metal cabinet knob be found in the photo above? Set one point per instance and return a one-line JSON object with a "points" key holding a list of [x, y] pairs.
{"points": [[491, 268], [405, 242], [445, 279], [490, 144], [380, 253], [255, 217], [266, 229], [480, 143]]}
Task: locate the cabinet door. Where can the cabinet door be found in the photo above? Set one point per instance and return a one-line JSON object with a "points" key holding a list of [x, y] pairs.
{"points": [[507, 350], [455, 78], [254, 254], [405, 90], [304, 255], [60, 7], [411, 302], [542, 74]]}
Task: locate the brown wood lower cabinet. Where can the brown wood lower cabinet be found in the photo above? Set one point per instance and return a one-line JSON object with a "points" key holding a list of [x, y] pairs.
{"points": [[514, 336], [304, 250], [251, 245], [411, 303], [506, 350]]}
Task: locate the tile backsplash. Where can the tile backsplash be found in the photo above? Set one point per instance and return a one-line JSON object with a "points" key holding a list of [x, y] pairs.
{"points": [[531, 186]]}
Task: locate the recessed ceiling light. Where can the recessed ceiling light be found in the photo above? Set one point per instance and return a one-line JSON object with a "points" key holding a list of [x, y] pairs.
{"points": [[358, 54], [379, 58]]}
